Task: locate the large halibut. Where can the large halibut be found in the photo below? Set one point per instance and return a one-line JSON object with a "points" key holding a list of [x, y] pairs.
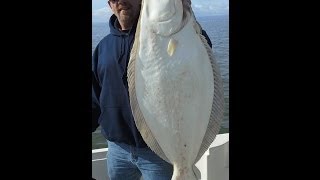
{"points": [[175, 86]]}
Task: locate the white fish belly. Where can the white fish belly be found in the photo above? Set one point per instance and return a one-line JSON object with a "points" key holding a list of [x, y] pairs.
{"points": [[175, 92]]}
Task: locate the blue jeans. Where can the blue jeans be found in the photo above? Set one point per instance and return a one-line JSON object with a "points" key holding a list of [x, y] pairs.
{"points": [[130, 163]]}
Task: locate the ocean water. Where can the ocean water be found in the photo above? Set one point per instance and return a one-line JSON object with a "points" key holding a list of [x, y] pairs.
{"points": [[217, 28]]}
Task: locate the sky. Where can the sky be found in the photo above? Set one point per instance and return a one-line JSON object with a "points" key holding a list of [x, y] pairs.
{"points": [[101, 10]]}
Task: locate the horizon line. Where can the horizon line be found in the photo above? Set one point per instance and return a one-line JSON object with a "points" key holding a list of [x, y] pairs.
{"points": [[199, 16]]}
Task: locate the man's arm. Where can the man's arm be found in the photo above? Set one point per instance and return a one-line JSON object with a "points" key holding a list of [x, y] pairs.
{"points": [[96, 89]]}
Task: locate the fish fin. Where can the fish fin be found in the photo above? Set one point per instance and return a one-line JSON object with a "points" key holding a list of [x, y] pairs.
{"points": [[197, 26], [217, 109], [140, 122]]}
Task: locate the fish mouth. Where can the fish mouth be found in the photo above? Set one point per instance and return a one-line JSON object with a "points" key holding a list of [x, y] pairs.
{"points": [[162, 11], [168, 16], [164, 17]]}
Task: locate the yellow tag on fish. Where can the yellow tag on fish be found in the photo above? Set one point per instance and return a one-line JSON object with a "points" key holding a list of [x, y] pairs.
{"points": [[172, 46]]}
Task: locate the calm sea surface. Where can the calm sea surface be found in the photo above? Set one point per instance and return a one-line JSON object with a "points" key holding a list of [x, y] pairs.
{"points": [[217, 28]]}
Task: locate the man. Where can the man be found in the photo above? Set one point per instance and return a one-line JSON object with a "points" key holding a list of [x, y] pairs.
{"points": [[129, 157]]}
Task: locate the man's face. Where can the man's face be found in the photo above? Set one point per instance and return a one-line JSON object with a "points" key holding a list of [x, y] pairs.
{"points": [[127, 11]]}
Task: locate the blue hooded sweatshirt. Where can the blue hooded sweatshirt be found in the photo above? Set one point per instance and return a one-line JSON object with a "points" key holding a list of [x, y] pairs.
{"points": [[110, 97]]}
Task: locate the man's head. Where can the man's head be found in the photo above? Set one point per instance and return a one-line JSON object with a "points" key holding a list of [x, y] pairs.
{"points": [[127, 11]]}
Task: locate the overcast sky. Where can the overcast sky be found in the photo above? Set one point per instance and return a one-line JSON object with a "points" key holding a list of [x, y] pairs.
{"points": [[101, 10]]}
